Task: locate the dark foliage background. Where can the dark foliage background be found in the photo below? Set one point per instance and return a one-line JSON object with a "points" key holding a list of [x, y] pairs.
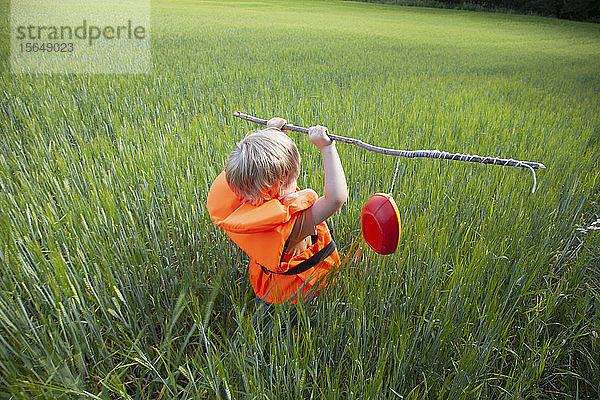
{"points": [[579, 10]]}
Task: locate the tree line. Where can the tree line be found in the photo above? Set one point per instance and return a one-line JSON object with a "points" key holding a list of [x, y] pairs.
{"points": [[579, 10]]}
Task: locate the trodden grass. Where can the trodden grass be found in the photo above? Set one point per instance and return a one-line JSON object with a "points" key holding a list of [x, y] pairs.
{"points": [[115, 284]]}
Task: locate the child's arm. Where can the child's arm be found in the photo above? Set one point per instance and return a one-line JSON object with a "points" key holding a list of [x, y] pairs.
{"points": [[336, 191], [276, 123]]}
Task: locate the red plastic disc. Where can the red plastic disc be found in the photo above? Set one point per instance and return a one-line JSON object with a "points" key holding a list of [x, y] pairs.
{"points": [[380, 223]]}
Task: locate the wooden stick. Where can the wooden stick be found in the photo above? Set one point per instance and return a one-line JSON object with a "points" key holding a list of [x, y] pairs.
{"points": [[406, 153]]}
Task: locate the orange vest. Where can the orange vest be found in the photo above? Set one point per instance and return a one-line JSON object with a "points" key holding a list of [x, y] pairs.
{"points": [[262, 233]]}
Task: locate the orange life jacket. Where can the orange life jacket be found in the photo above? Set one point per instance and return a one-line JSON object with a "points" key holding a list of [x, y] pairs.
{"points": [[262, 232]]}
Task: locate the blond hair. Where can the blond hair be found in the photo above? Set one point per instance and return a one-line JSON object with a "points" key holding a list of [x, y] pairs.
{"points": [[261, 164]]}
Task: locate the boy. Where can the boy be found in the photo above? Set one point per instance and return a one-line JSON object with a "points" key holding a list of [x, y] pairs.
{"points": [[281, 228]]}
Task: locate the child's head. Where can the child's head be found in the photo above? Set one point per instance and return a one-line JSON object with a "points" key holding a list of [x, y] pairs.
{"points": [[262, 164]]}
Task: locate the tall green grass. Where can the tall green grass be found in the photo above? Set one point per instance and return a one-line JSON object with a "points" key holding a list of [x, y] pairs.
{"points": [[115, 284]]}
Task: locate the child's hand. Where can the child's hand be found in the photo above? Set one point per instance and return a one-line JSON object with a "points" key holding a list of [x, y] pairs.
{"points": [[276, 123], [318, 136]]}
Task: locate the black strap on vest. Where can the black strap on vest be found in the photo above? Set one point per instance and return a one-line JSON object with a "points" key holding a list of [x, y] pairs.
{"points": [[309, 262]]}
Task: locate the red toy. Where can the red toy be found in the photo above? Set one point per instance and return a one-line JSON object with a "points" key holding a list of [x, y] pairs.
{"points": [[380, 223]]}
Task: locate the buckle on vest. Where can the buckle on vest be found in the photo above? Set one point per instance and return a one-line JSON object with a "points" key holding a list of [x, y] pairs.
{"points": [[308, 263]]}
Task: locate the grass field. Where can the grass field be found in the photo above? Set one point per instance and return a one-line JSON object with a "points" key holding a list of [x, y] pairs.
{"points": [[115, 284]]}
